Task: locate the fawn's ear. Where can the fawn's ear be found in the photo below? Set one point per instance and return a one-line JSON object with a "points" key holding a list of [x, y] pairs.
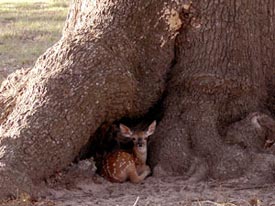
{"points": [[125, 131], [151, 128]]}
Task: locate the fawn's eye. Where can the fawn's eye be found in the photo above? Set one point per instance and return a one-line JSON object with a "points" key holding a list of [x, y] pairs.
{"points": [[146, 138], [134, 139]]}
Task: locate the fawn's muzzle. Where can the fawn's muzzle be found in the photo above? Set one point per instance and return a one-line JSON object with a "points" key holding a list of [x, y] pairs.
{"points": [[139, 144]]}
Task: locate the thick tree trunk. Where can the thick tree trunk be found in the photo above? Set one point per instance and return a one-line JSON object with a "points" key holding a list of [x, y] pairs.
{"points": [[225, 63], [113, 61]]}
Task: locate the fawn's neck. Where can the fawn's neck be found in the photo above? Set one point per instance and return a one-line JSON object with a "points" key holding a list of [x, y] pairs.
{"points": [[142, 156]]}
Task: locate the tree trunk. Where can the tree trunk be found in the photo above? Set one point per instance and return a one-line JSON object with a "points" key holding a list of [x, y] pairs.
{"points": [[111, 62], [224, 67], [210, 65]]}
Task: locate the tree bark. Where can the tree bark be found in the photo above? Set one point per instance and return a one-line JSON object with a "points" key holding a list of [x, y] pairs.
{"points": [[210, 62], [111, 62], [224, 72]]}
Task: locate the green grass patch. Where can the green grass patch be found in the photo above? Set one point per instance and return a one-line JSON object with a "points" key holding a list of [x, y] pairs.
{"points": [[28, 28]]}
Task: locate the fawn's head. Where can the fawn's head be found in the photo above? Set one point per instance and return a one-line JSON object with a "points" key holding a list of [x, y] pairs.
{"points": [[139, 138]]}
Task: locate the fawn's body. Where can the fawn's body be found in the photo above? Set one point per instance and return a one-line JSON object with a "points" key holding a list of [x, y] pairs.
{"points": [[120, 165]]}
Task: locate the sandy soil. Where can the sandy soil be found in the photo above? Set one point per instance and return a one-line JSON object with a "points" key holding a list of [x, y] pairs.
{"points": [[80, 186]]}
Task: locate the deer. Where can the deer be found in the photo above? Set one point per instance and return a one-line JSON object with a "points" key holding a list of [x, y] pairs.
{"points": [[121, 165]]}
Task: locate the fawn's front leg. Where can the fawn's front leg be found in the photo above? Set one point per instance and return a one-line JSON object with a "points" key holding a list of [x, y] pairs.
{"points": [[136, 177], [142, 168]]}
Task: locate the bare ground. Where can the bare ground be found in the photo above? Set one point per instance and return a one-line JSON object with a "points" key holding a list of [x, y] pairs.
{"points": [[79, 185]]}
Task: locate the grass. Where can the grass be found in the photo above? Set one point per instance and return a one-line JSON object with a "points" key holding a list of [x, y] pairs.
{"points": [[27, 29]]}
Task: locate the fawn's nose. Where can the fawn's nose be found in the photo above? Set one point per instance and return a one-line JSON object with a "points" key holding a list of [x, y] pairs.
{"points": [[140, 144]]}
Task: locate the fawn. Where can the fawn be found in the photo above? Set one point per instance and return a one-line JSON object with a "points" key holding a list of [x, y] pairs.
{"points": [[121, 165]]}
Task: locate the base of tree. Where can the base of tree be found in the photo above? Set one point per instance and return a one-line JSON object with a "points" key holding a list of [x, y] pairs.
{"points": [[80, 185]]}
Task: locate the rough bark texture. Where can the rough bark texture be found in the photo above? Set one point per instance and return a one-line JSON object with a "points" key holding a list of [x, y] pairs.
{"points": [[113, 61], [224, 72]]}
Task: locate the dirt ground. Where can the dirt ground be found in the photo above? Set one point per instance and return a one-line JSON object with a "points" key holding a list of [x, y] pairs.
{"points": [[80, 186]]}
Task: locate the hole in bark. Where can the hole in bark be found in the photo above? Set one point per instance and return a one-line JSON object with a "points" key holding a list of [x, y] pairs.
{"points": [[107, 138]]}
